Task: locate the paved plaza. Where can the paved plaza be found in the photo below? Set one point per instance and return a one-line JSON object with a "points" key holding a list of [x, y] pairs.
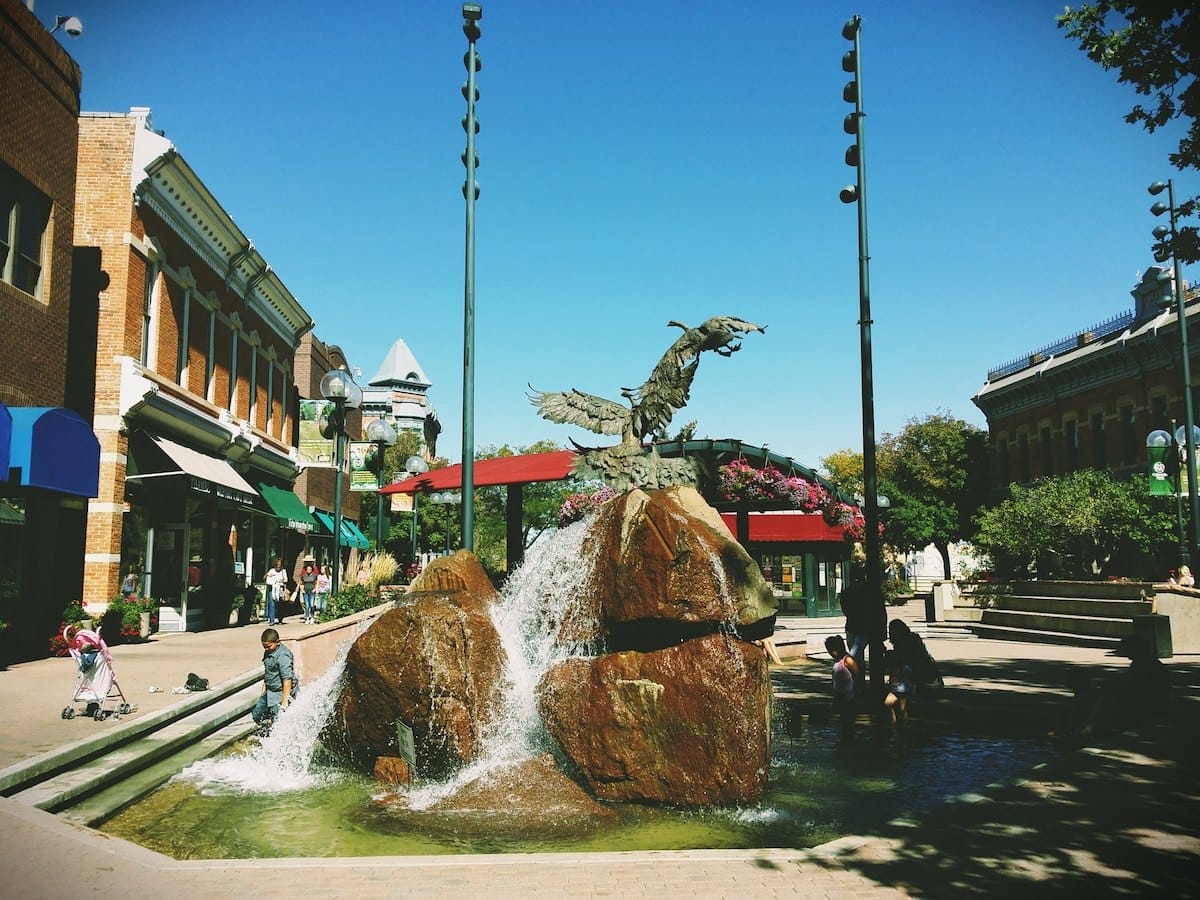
{"points": [[1121, 818]]}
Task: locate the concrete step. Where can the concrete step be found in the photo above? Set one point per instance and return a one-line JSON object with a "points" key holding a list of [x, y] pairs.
{"points": [[1110, 609], [105, 803], [1093, 626], [27, 773], [1004, 633], [130, 757]]}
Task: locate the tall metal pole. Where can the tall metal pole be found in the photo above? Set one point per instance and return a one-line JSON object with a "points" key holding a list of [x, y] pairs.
{"points": [[1185, 558], [472, 13], [857, 156], [339, 438], [1189, 419], [381, 448]]}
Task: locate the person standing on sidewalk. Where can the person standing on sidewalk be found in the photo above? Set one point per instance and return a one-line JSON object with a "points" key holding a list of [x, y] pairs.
{"points": [[276, 589], [308, 589], [324, 586], [279, 681]]}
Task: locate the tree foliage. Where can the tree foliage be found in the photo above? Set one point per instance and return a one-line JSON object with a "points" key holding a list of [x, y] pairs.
{"points": [[934, 472], [1153, 45], [1080, 526], [844, 470]]}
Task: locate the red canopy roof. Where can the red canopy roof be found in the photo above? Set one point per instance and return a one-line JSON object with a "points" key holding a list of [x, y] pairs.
{"points": [[787, 527], [531, 467]]}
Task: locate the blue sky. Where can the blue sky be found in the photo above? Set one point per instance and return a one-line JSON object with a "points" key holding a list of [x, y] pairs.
{"points": [[646, 161]]}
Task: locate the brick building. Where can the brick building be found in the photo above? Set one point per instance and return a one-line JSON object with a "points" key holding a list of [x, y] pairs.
{"points": [[195, 400], [1090, 400], [49, 456]]}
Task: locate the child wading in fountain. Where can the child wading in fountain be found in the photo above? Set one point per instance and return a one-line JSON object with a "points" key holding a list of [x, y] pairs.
{"points": [[899, 687], [280, 684], [845, 672]]}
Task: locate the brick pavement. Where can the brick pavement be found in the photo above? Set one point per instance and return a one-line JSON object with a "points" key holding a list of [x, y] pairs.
{"points": [[1118, 819]]}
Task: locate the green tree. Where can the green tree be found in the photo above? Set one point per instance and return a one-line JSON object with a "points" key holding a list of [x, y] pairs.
{"points": [[844, 470], [1153, 45], [934, 472], [541, 503], [1079, 526]]}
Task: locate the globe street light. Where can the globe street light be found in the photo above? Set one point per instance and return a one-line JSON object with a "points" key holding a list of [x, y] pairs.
{"points": [[1164, 248], [416, 465], [381, 432], [338, 387]]}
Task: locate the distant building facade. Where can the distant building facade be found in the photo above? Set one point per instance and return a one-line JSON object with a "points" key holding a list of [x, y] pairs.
{"points": [[398, 391], [195, 399], [1090, 400]]}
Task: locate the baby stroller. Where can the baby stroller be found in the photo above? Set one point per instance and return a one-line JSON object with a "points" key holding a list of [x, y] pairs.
{"points": [[97, 683]]}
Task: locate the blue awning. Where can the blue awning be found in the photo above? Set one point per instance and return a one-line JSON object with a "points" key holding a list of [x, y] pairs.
{"points": [[54, 449], [5, 440], [350, 537]]}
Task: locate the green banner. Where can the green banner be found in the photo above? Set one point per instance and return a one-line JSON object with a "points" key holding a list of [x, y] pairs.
{"points": [[1160, 478]]}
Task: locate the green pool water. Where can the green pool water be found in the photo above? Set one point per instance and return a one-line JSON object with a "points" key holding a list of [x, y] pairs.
{"points": [[817, 792]]}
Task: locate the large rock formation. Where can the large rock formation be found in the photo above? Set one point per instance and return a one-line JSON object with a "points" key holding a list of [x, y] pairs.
{"points": [[667, 569], [684, 725], [435, 662]]}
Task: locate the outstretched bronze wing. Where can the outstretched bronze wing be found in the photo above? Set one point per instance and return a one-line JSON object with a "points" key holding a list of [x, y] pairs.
{"points": [[577, 408], [668, 387]]}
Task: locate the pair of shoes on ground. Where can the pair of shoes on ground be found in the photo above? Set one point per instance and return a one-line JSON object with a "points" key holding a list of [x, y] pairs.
{"points": [[311, 620]]}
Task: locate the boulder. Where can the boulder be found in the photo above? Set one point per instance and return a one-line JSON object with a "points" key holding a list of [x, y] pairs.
{"points": [[461, 571], [434, 661], [392, 770], [532, 799], [687, 725], [665, 569]]}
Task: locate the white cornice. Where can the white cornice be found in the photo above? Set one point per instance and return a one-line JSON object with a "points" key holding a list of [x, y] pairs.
{"points": [[168, 185]]}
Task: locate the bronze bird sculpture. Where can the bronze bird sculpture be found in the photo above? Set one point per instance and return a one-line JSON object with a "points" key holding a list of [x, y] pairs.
{"points": [[651, 408]]}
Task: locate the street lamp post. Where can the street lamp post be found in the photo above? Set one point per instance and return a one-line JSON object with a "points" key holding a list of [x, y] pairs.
{"points": [[856, 157], [415, 465], [1165, 247], [338, 387], [1157, 444], [442, 498], [472, 13], [381, 432]]}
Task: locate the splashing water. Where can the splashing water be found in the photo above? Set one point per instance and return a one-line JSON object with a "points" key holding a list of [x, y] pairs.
{"points": [[532, 608], [283, 760]]}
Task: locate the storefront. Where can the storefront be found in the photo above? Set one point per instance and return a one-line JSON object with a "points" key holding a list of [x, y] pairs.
{"points": [[187, 532], [50, 460]]}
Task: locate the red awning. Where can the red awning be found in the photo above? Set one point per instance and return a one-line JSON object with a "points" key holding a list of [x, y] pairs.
{"points": [[531, 467], [787, 527]]}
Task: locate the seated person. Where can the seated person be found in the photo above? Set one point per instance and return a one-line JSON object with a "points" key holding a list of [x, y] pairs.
{"points": [[1132, 697], [913, 653]]}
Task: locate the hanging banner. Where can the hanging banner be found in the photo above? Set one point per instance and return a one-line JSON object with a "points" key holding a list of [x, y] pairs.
{"points": [[1160, 478], [314, 450], [362, 465]]}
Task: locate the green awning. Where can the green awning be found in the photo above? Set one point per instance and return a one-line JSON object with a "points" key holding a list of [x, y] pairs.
{"points": [[10, 515], [288, 507], [350, 537], [360, 539]]}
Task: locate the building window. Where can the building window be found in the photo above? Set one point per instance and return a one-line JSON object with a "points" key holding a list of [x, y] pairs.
{"points": [[1002, 460], [253, 410], [185, 317], [1129, 436], [1023, 458], [148, 286], [1099, 452], [1158, 413], [1070, 446], [270, 395], [233, 370], [24, 220], [210, 358], [1046, 442]]}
